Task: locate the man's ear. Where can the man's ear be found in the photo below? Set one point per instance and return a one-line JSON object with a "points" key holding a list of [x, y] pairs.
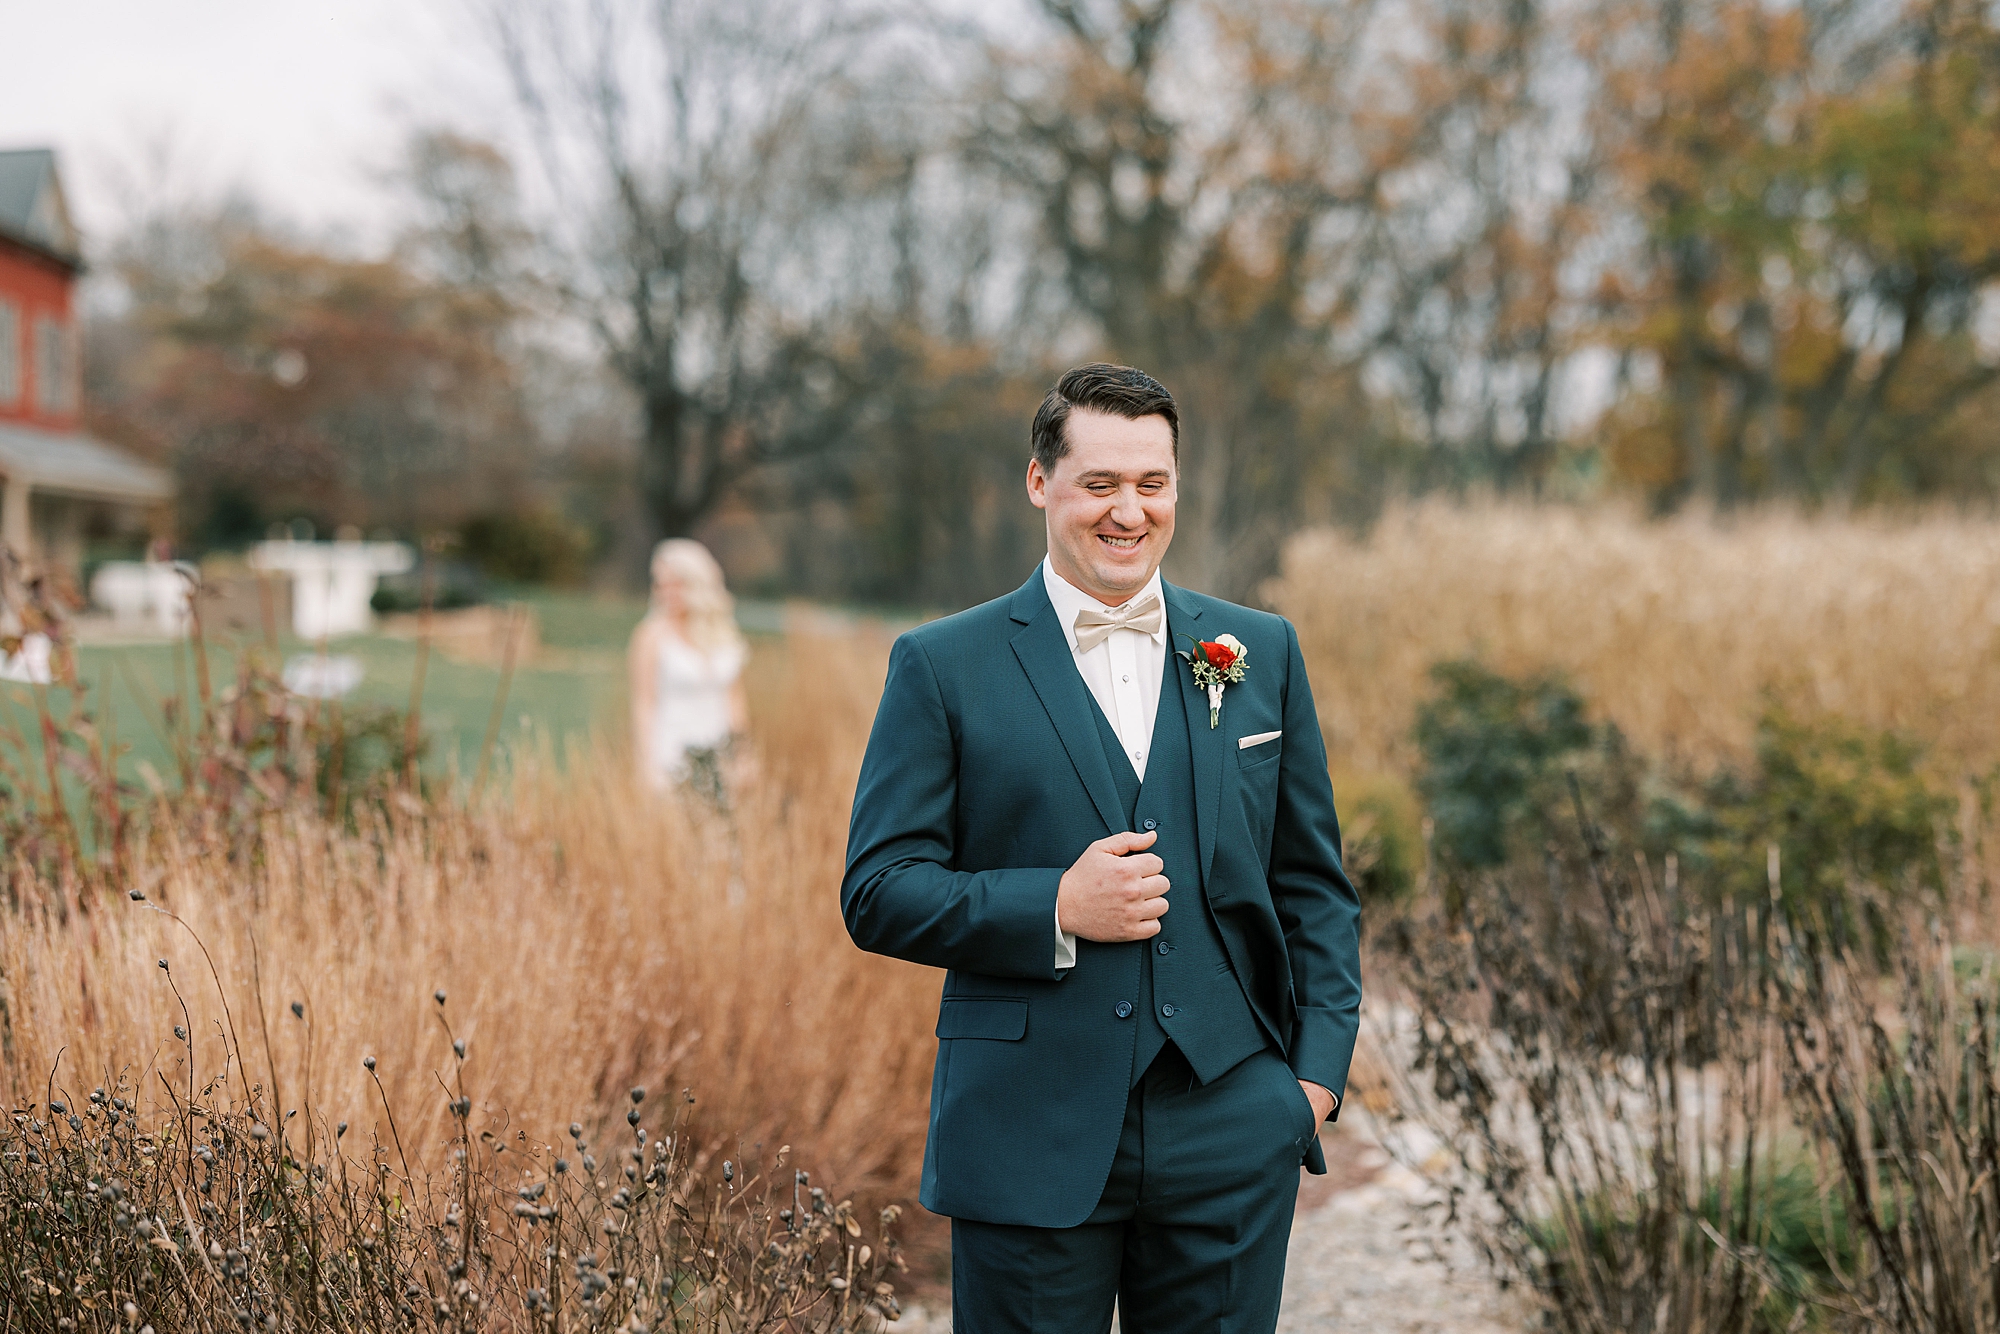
{"points": [[1038, 485]]}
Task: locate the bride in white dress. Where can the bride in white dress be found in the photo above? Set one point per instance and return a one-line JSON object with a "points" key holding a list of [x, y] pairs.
{"points": [[686, 663]]}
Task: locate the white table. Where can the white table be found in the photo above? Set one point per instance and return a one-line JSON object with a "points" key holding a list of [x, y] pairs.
{"points": [[332, 582]]}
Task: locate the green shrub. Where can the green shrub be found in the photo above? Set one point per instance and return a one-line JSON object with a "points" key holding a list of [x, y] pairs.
{"points": [[1844, 804], [1493, 754], [1801, 1237], [1804, 1237], [448, 585], [361, 750], [1852, 815], [533, 546], [1381, 827]]}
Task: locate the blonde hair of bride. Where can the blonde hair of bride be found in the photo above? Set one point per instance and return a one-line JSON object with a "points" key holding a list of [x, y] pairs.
{"points": [[711, 611]]}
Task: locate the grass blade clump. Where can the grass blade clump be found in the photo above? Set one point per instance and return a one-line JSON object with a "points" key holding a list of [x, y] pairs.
{"points": [[216, 1212]]}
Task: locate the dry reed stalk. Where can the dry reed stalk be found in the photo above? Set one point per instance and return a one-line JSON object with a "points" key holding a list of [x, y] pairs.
{"points": [[580, 926], [1674, 630]]}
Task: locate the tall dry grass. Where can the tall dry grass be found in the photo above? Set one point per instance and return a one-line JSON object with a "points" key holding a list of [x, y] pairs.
{"points": [[589, 935], [1674, 630]]}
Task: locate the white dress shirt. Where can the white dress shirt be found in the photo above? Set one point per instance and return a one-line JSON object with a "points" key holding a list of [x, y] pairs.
{"points": [[1123, 674]]}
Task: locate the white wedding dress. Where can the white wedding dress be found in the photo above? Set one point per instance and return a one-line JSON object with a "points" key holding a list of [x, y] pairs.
{"points": [[690, 705]]}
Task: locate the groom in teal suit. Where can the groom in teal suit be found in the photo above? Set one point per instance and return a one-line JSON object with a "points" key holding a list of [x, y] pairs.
{"points": [[1131, 870]]}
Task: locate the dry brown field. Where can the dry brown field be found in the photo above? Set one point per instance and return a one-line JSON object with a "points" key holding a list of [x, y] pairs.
{"points": [[1677, 630], [590, 936]]}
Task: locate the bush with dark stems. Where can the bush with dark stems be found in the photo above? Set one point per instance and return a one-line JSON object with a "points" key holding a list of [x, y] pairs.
{"points": [[1684, 1098], [1900, 1089], [217, 1211], [1587, 1044]]}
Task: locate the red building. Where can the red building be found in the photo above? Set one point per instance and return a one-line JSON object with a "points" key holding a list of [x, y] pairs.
{"points": [[58, 487]]}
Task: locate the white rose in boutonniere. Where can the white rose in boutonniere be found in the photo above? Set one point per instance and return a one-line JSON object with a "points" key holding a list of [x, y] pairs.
{"points": [[1216, 663]]}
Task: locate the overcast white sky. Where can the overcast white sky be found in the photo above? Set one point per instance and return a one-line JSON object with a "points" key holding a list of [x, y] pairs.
{"points": [[301, 102]]}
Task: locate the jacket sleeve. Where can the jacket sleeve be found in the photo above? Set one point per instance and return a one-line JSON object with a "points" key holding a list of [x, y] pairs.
{"points": [[1317, 906], [903, 895]]}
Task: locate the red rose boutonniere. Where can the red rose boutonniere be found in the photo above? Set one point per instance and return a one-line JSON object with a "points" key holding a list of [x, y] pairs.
{"points": [[1216, 663]]}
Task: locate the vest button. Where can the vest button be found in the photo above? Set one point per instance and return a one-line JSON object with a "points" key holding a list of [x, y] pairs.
{"points": [[1123, 1009], [1165, 948], [1152, 824], [1167, 1010]]}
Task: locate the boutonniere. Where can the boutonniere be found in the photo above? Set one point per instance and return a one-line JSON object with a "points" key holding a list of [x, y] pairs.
{"points": [[1217, 663]]}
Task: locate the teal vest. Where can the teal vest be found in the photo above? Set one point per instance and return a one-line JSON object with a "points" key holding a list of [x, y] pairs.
{"points": [[1188, 992]]}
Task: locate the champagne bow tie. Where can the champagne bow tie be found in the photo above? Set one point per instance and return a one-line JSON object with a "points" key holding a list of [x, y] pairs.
{"points": [[1094, 625]]}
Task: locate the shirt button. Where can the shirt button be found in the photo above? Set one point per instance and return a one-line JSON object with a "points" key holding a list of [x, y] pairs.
{"points": [[1165, 948], [1152, 824], [1125, 678], [1167, 1010], [1123, 1009], [1137, 755]]}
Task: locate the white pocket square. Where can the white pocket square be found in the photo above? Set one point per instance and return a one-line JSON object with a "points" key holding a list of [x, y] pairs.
{"points": [[1259, 739]]}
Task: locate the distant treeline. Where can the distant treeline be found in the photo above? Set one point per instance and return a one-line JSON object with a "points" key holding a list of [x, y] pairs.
{"points": [[793, 278]]}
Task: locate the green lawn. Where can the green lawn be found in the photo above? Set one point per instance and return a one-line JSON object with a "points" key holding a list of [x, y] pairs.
{"points": [[577, 687]]}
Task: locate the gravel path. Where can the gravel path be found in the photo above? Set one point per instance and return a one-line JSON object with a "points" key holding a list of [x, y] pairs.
{"points": [[1368, 1255]]}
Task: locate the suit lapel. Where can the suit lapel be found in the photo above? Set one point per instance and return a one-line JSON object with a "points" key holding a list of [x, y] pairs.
{"points": [[1208, 746], [1045, 656]]}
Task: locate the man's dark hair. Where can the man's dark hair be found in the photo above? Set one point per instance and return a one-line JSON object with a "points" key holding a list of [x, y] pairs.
{"points": [[1121, 391]]}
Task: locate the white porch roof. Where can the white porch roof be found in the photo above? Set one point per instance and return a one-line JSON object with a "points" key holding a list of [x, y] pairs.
{"points": [[70, 463]]}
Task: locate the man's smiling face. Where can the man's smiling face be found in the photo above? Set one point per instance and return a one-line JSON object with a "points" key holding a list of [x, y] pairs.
{"points": [[1109, 502]]}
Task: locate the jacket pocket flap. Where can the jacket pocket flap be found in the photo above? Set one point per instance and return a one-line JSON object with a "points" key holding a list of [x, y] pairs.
{"points": [[1003, 1018], [1265, 752]]}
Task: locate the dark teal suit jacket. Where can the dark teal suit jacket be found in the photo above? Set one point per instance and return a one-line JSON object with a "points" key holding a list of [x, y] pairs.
{"points": [[984, 780]]}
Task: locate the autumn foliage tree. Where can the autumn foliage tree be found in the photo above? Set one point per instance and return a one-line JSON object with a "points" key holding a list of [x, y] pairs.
{"points": [[287, 380], [1195, 193], [1708, 251], [1732, 250], [1819, 190]]}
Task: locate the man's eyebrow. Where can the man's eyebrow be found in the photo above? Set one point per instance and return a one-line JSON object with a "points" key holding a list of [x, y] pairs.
{"points": [[1113, 475]]}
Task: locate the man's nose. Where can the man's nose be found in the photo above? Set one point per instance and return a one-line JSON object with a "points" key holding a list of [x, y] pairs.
{"points": [[1126, 511]]}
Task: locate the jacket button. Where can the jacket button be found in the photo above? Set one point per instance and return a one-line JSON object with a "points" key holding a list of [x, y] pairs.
{"points": [[1167, 1010], [1165, 948], [1123, 1009], [1152, 824]]}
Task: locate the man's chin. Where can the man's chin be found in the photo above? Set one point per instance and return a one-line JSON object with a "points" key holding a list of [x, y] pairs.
{"points": [[1122, 579]]}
